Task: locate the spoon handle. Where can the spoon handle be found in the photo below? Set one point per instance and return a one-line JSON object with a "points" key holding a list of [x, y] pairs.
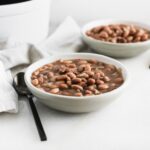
{"points": [[37, 119]]}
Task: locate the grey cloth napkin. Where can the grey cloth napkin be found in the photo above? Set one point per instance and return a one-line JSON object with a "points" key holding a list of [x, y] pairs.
{"points": [[15, 56]]}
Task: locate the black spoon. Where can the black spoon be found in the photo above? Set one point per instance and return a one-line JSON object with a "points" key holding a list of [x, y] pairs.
{"points": [[22, 90]]}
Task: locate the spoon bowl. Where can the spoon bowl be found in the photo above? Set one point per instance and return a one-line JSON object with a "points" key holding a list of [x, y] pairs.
{"points": [[20, 85]]}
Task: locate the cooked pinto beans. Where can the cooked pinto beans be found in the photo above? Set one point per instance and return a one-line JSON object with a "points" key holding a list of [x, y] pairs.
{"points": [[77, 77], [119, 33]]}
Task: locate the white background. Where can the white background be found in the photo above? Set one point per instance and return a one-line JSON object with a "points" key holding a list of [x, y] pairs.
{"points": [[122, 125], [85, 10]]}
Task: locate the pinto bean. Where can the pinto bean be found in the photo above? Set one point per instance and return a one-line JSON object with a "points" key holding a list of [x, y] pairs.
{"points": [[91, 81], [78, 94], [83, 84], [50, 85], [91, 87], [88, 92], [77, 87], [83, 75], [96, 92], [76, 80], [36, 73], [59, 82], [69, 83], [87, 67], [54, 91], [67, 93], [145, 37], [90, 73], [100, 82], [82, 62], [106, 79], [35, 82], [53, 79], [118, 80], [62, 77], [103, 34], [71, 75], [63, 86], [41, 80], [71, 65], [103, 87]]}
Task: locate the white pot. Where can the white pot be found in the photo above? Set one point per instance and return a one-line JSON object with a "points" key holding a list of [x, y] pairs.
{"points": [[26, 21]]}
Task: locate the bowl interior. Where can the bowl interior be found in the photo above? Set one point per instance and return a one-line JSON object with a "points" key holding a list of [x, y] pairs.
{"points": [[53, 58], [96, 23]]}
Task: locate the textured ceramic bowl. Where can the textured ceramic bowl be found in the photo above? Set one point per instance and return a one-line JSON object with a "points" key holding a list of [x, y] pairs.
{"points": [[115, 49], [71, 103]]}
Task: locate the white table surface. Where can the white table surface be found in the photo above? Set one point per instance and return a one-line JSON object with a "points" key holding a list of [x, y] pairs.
{"points": [[121, 125]]}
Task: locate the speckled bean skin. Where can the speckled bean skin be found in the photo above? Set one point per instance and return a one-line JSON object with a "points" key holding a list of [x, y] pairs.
{"points": [[77, 77], [119, 33]]}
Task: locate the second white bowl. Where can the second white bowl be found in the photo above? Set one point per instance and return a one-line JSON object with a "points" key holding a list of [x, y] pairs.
{"points": [[122, 50]]}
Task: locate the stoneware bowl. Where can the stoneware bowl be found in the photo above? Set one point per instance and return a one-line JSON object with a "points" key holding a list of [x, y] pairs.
{"points": [[115, 49], [71, 103]]}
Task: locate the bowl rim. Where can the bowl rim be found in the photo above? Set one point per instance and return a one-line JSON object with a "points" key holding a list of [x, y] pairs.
{"points": [[44, 61], [114, 21]]}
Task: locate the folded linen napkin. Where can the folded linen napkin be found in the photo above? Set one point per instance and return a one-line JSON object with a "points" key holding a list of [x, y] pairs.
{"points": [[15, 55]]}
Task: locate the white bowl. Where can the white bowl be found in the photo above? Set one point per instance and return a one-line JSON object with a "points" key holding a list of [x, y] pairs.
{"points": [[71, 103], [25, 21], [122, 50]]}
